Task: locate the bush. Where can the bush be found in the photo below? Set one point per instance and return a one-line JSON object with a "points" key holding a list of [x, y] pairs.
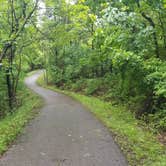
{"points": [[56, 75], [79, 85], [157, 120], [157, 82], [93, 85], [127, 80]]}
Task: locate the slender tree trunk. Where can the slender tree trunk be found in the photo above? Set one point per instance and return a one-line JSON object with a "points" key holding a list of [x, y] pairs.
{"points": [[18, 74], [92, 32], [151, 22], [163, 29], [154, 33], [9, 87], [46, 69]]}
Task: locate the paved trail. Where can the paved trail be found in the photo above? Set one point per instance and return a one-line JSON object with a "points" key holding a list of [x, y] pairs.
{"points": [[63, 134]]}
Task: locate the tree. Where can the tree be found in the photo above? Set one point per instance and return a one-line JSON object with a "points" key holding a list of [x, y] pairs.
{"points": [[17, 16]]}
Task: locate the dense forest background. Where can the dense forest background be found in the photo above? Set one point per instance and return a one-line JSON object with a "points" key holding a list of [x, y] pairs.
{"points": [[115, 50], [112, 49]]}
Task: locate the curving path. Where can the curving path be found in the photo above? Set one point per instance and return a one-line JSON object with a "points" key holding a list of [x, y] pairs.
{"points": [[63, 134]]}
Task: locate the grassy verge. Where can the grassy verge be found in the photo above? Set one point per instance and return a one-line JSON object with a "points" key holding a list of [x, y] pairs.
{"points": [[138, 144], [13, 124]]}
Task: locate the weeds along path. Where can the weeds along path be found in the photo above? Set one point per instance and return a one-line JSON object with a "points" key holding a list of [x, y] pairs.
{"points": [[63, 134]]}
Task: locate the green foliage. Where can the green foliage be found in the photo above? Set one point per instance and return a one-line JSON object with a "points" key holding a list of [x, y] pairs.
{"points": [[158, 79], [158, 120], [115, 50], [78, 86], [129, 67], [93, 85], [16, 33]]}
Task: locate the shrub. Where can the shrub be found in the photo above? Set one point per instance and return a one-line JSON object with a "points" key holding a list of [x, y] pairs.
{"points": [[79, 85], [93, 85], [157, 82], [157, 120]]}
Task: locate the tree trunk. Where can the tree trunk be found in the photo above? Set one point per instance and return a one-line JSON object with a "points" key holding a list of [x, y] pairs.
{"points": [[154, 33], [163, 30], [9, 87], [151, 22]]}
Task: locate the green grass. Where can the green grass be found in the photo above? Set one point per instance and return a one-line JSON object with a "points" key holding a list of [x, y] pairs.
{"points": [[138, 144], [13, 123]]}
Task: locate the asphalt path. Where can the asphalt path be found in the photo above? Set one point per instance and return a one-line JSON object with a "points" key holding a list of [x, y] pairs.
{"points": [[63, 134]]}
